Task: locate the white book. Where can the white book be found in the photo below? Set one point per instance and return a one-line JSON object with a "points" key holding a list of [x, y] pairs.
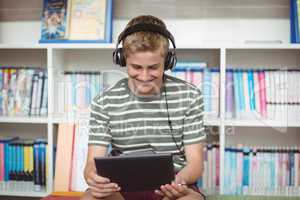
{"points": [[68, 96], [278, 95], [79, 157], [21, 93], [268, 94], [60, 101], [257, 94], [34, 92], [271, 88], [247, 113]]}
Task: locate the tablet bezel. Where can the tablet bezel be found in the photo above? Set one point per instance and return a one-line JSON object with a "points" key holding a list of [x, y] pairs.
{"points": [[137, 172]]}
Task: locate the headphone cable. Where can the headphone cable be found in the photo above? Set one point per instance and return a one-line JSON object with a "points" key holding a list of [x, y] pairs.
{"points": [[169, 121]]}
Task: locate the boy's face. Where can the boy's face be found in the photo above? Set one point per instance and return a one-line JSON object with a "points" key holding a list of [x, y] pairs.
{"points": [[145, 72]]}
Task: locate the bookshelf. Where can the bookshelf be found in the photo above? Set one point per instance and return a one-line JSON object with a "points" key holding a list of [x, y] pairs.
{"points": [[222, 33]]}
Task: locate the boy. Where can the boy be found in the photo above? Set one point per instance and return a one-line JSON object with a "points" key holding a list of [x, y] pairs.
{"points": [[148, 111]]}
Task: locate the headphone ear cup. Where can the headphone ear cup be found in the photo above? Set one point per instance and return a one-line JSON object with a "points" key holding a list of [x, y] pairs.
{"points": [[170, 60], [119, 58]]}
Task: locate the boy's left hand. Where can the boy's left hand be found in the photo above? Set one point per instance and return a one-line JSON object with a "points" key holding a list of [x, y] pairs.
{"points": [[172, 191]]}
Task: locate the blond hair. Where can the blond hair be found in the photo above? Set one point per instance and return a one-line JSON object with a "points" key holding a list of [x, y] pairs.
{"points": [[144, 40]]}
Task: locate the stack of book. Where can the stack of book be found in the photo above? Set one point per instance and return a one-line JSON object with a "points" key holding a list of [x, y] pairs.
{"points": [[263, 94], [23, 91], [23, 164], [270, 171]]}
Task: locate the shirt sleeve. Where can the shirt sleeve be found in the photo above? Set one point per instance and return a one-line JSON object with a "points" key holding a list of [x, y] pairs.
{"points": [[193, 121], [99, 132]]}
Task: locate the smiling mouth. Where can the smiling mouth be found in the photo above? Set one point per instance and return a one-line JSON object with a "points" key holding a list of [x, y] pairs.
{"points": [[145, 82]]}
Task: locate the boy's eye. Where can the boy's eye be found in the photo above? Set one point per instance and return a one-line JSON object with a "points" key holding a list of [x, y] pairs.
{"points": [[153, 67], [137, 67]]}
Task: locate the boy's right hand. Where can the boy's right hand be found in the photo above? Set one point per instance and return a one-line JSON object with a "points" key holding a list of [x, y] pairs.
{"points": [[100, 186]]}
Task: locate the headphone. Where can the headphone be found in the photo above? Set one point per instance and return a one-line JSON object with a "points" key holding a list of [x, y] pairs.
{"points": [[170, 59]]}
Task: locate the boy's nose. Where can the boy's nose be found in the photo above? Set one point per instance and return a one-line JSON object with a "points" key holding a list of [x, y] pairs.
{"points": [[144, 75]]}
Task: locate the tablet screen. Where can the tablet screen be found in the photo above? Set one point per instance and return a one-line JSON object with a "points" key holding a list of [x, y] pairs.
{"points": [[137, 172]]}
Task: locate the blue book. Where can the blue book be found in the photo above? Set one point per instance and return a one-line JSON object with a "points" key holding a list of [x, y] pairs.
{"points": [[42, 161], [36, 167], [294, 21], [251, 90], [272, 169], [246, 167], [7, 155], [241, 91]]}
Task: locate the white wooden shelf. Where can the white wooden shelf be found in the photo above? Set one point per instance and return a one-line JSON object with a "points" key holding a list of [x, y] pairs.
{"points": [[253, 34], [111, 46], [23, 46], [25, 119], [260, 123], [20, 193]]}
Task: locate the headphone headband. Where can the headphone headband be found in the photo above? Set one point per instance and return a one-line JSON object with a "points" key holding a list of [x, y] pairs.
{"points": [[148, 28], [170, 58]]}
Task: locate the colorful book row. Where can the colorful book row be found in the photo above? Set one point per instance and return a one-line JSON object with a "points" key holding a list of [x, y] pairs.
{"points": [[23, 91], [266, 93], [23, 161], [271, 171]]}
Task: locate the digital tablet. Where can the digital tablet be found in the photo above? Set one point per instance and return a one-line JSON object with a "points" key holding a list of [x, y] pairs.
{"points": [[137, 172]]}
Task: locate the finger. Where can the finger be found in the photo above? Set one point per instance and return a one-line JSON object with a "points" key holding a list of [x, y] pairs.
{"points": [[180, 188], [112, 186], [166, 192], [173, 190], [159, 192], [100, 179], [95, 179], [105, 190]]}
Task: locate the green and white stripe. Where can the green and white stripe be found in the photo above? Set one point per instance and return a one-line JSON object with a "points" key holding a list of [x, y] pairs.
{"points": [[133, 124]]}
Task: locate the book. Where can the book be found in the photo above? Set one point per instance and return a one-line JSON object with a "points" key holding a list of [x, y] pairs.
{"points": [[54, 20], [63, 163], [90, 20], [294, 21]]}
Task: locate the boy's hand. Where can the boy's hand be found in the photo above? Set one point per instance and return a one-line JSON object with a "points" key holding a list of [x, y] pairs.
{"points": [[172, 191], [100, 186]]}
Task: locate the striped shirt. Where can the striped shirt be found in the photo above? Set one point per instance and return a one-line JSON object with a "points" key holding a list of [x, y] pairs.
{"points": [[133, 124]]}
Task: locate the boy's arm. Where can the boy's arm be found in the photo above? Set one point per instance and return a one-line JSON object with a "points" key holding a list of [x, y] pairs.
{"points": [[194, 168], [93, 151]]}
